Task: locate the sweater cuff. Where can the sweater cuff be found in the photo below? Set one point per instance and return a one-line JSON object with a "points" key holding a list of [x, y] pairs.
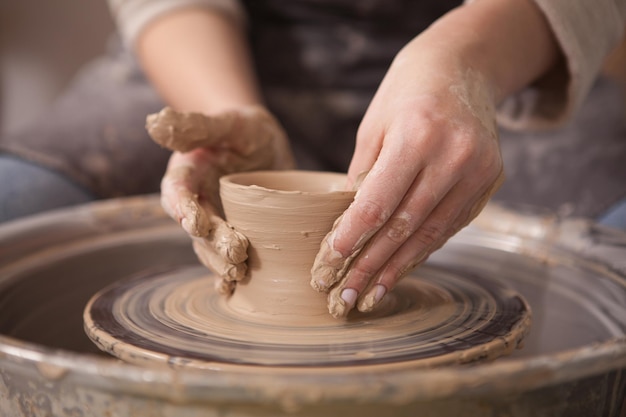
{"points": [[133, 16], [586, 31]]}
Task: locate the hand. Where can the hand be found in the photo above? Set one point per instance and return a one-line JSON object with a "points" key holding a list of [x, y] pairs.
{"points": [[429, 145], [205, 148]]}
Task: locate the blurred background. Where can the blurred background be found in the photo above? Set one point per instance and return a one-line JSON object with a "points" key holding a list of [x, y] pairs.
{"points": [[42, 45]]}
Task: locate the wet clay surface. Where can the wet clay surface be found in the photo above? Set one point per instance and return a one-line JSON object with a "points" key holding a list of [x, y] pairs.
{"points": [[433, 318]]}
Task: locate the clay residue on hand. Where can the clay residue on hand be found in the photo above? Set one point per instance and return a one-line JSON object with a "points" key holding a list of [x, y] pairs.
{"points": [[184, 132], [242, 140], [479, 100], [206, 148]]}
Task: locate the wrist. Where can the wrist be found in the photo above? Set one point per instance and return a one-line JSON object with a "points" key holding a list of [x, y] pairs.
{"points": [[445, 65], [510, 44]]}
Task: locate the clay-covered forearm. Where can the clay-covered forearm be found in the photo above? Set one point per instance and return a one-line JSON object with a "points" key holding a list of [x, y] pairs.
{"points": [[198, 59]]}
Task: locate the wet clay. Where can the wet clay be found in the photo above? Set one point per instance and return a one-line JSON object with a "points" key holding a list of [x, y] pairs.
{"points": [[285, 215], [434, 318], [274, 318]]}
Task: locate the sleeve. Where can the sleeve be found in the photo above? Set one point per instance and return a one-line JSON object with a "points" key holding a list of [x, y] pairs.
{"points": [[586, 31], [132, 16]]}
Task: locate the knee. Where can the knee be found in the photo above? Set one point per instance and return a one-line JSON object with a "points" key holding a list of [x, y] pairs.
{"points": [[27, 188]]}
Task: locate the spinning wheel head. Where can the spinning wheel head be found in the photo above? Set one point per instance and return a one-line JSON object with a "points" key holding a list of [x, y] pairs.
{"points": [[434, 317]]}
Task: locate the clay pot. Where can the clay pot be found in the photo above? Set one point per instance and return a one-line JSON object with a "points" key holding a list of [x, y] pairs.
{"points": [[285, 215]]}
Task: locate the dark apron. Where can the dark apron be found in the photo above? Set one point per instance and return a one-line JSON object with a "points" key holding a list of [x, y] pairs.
{"points": [[320, 62]]}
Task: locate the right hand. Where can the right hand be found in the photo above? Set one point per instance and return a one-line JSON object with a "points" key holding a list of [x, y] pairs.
{"points": [[206, 148], [429, 144]]}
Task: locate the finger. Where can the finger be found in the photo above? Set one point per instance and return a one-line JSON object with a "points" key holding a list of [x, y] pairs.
{"points": [[243, 139], [259, 138], [188, 181], [231, 245], [341, 300], [231, 272], [413, 210], [225, 287], [180, 201], [425, 194], [183, 132], [433, 234], [329, 266], [366, 215], [189, 194], [222, 237], [366, 151]]}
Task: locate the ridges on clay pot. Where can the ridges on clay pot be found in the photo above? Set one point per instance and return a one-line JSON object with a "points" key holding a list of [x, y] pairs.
{"points": [[285, 215]]}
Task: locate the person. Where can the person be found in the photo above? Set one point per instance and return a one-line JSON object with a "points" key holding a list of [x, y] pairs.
{"points": [[422, 85]]}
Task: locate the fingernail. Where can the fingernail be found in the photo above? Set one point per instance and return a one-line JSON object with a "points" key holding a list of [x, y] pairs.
{"points": [[372, 298], [195, 224], [187, 226], [380, 291], [319, 285], [341, 301], [349, 296], [321, 274]]}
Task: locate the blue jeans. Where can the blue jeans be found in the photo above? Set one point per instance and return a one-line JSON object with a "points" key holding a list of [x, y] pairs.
{"points": [[26, 188], [615, 217]]}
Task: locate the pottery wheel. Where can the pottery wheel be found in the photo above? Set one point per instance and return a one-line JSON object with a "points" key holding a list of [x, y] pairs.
{"points": [[433, 317]]}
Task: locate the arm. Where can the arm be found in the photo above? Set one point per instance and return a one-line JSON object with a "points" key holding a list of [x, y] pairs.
{"points": [[509, 43], [198, 60], [586, 31]]}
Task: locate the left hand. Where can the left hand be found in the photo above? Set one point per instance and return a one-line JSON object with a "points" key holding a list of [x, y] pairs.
{"points": [[429, 144], [205, 148]]}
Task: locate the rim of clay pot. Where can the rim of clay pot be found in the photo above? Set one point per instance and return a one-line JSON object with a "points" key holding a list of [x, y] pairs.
{"points": [[506, 375], [290, 181]]}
